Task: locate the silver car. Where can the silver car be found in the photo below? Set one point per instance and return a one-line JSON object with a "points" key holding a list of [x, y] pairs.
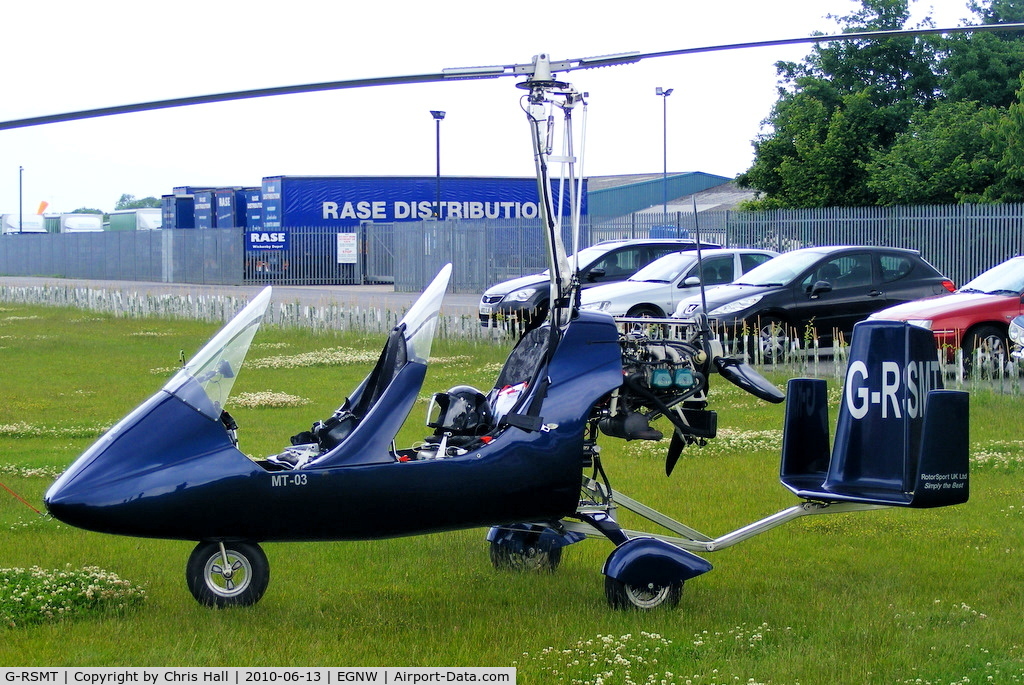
{"points": [[656, 289]]}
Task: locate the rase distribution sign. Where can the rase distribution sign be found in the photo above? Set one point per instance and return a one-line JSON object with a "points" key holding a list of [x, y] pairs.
{"points": [[343, 202]]}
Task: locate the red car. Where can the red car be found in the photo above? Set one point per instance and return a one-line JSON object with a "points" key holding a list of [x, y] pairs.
{"points": [[976, 315]]}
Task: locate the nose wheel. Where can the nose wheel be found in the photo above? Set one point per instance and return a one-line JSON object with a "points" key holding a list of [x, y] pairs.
{"points": [[228, 574]]}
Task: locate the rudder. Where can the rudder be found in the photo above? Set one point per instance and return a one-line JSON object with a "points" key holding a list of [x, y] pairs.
{"points": [[900, 438]]}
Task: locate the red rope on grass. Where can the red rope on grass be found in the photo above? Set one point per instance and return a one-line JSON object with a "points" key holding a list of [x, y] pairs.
{"points": [[20, 499]]}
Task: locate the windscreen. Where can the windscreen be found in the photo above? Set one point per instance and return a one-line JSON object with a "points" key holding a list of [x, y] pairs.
{"points": [[666, 269], [215, 367], [421, 319], [586, 256], [1005, 279], [781, 270]]}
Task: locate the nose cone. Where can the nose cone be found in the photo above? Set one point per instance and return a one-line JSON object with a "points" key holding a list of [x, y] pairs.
{"points": [[115, 456], [91, 495], [155, 474], [94, 499], [72, 505]]}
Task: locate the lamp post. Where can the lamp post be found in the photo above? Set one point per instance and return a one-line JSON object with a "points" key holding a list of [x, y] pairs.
{"points": [[21, 219], [664, 93], [438, 116]]}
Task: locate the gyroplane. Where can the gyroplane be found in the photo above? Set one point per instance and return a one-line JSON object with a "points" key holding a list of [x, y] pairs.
{"points": [[522, 457]]}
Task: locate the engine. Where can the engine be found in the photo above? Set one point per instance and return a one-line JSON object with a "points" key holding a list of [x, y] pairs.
{"points": [[661, 377]]}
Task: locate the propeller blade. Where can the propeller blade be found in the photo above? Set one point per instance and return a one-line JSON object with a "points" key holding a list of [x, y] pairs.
{"points": [[675, 448], [463, 73]]}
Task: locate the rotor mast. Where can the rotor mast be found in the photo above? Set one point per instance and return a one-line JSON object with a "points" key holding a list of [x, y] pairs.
{"points": [[545, 95]]}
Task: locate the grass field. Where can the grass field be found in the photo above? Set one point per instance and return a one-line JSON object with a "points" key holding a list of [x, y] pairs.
{"points": [[894, 596]]}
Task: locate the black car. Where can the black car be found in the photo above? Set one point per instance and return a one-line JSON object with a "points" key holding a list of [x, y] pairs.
{"points": [[526, 299], [814, 292]]}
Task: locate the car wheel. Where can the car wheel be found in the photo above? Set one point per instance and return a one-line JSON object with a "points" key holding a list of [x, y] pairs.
{"points": [[770, 340], [985, 347], [646, 311]]}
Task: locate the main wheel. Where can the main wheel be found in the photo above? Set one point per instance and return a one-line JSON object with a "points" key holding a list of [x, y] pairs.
{"points": [[771, 339], [530, 559], [624, 596], [992, 344], [235, 574]]}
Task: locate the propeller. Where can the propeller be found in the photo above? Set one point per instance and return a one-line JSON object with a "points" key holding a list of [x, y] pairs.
{"points": [[538, 71], [675, 449]]}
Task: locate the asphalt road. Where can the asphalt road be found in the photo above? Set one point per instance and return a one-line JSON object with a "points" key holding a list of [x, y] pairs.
{"points": [[382, 296]]}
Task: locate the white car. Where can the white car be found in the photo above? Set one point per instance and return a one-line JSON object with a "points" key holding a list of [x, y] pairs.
{"points": [[656, 289]]}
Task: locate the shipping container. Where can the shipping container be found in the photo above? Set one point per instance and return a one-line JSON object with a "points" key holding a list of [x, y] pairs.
{"points": [[178, 211], [205, 216], [230, 207], [22, 223], [189, 190], [253, 208]]}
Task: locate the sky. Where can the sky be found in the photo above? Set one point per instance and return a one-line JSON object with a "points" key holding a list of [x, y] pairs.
{"points": [[67, 55]]}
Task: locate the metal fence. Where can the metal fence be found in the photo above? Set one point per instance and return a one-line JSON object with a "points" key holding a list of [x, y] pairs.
{"points": [[960, 240], [213, 256], [481, 252]]}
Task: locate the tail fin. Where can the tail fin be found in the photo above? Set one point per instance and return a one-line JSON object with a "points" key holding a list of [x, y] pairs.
{"points": [[900, 440]]}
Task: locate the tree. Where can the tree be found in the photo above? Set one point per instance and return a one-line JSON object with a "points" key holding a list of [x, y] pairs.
{"points": [[130, 202], [819, 163], [898, 120], [896, 72], [944, 157], [985, 67], [847, 100], [1007, 147], [88, 210]]}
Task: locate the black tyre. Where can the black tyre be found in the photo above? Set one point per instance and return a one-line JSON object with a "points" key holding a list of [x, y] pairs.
{"points": [[771, 339], [994, 349], [529, 559], [646, 311], [643, 597], [236, 575]]}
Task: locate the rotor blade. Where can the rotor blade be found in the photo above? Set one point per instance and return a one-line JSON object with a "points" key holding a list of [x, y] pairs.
{"points": [[859, 35], [218, 97], [477, 73]]}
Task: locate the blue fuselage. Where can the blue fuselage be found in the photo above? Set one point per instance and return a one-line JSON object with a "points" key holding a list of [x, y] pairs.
{"points": [[170, 471]]}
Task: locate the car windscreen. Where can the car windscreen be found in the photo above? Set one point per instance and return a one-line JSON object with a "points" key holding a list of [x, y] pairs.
{"points": [[587, 256], [666, 269], [1004, 279], [781, 270]]}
